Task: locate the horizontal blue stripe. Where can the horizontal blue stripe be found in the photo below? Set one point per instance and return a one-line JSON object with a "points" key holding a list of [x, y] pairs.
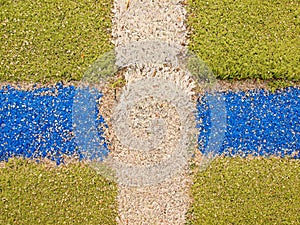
{"points": [[258, 123], [38, 123]]}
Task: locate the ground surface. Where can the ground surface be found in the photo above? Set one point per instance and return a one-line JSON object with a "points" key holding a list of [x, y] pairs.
{"points": [[246, 38], [51, 41], [247, 191], [40, 193], [257, 39]]}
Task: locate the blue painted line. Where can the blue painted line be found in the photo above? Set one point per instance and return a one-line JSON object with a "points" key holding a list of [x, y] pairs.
{"points": [[39, 123], [258, 123]]}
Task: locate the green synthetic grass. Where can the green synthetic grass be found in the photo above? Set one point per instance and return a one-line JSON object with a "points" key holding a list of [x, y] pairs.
{"points": [[247, 191], [32, 193], [242, 39], [49, 41]]}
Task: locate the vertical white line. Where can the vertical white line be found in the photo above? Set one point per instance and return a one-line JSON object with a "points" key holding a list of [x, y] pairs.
{"points": [[156, 20], [159, 20]]}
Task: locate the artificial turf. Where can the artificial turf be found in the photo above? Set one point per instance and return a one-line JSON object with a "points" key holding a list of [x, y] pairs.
{"points": [[247, 38], [51, 41], [247, 191], [38, 193]]}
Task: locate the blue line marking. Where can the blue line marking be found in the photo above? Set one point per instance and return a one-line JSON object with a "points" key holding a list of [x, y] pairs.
{"points": [[258, 123], [38, 123]]}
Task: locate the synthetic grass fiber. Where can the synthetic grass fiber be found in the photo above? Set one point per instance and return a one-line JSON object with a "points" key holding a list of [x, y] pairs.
{"points": [[33, 193], [247, 38], [50, 41], [247, 191]]}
